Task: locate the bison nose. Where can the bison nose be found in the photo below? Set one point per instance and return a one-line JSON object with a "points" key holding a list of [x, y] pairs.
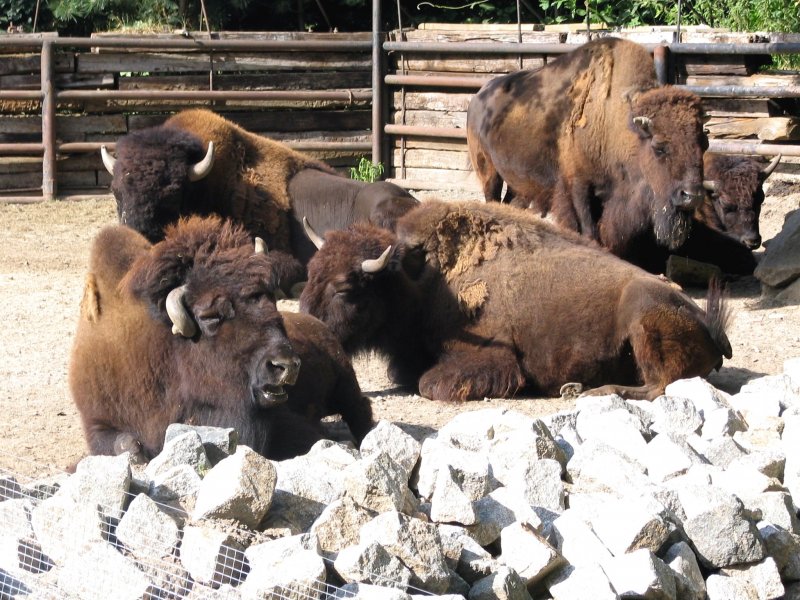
{"points": [[752, 241], [688, 199], [285, 368]]}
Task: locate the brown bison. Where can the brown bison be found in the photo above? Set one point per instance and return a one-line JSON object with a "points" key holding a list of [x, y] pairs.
{"points": [[470, 300], [187, 331], [593, 141], [736, 193], [197, 162]]}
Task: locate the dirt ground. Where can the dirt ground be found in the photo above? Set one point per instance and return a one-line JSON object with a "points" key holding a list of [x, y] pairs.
{"points": [[42, 266]]}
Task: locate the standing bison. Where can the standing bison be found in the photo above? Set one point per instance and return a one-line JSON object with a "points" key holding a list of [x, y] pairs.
{"points": [[593, 141], [200, 163], [187, 331], [470, 300]]}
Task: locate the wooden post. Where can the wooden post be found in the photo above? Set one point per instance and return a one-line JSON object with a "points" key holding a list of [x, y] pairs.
{"points": [[48, 123], [377, 83]]}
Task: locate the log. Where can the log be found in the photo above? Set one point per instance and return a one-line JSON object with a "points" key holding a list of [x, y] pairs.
{"points": [[439, 101], [313, 80], [448, 160], [765, 128], [465, 63], [265, 123], [431, 118]]}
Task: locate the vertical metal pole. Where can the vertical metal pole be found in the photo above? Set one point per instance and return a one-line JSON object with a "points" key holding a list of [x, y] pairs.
{"points": [[377, 83], [661, 61], [48, 123]]}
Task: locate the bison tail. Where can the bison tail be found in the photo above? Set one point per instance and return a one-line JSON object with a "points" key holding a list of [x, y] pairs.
{"points": [[718, 316]]}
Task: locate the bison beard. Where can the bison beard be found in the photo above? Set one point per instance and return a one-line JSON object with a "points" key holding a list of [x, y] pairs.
{"points": [[187, 331], [671, 227], [478, 300]]}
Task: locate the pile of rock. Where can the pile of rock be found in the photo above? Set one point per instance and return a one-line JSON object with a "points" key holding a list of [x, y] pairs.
{"points": [[779, 268], [687, 497]]}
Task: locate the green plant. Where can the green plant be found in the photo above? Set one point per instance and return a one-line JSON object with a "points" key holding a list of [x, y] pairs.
{"points": [[366, 170]]}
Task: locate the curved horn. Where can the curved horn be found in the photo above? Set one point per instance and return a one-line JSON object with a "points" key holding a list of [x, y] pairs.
{"points": [[709, 185], [375, 265], [108, 160], [767, 171], [315, 238], [261, 246], [644, 122], [199, 170], [182, 322]]}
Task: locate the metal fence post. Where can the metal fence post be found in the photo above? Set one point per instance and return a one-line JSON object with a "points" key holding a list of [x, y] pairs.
{"points": [[48, 123], [377, 83]]}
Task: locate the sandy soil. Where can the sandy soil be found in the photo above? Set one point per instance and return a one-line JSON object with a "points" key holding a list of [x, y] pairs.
{"points": [[42, 266]]}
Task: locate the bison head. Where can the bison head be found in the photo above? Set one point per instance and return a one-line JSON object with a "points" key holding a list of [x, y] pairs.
{"points": [[153, 177], [208, 284], [736, 193], [669, 125]]}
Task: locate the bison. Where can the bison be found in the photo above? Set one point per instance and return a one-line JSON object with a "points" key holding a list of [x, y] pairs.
{"points": [[187, 331], [198, 162], [593, 141], [469, 300]]}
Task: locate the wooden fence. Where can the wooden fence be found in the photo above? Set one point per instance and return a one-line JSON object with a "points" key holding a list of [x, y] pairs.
{"points": [[61, 98]]}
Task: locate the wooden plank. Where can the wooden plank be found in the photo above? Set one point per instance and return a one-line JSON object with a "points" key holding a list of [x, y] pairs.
{"points": [[440, 101], [755, 80], [737, 107], [479, 36], [160, 62], [63, 81], [315, 80], [11, 64], [465, 63], [458, 178], [429, 144], [766, 128], [696, 65], [68, 127], [431, 118], [439, 159], [24, 181], [285, 121]]}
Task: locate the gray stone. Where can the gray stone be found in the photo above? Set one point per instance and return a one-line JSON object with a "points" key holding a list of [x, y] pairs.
{"points": [[97, 571], [511, 448], [770, 463], [364, 591], [674, 414], [625, 526], [791, 368], [472, 469], [668, 455], [19, 551], [449, 504], [705, 397], [594, 461], [580, 582], [784, 547], [776, 508], [377, 483], [63, 527], [576, 540], [526, 551], [147, 531], [185, 449], [389, 438], [176, 483], [414, 542], [464, 555], [101, 483], [339, 525], [212, 556], [763, 576], [292, 574], [618, 429], [721, 587], [780, 264], [539, 483], [722, 421], [218, 442], [640, 574], [239, 487], [689, 582], [720, 451], [499, 509], [504, 584], [372, 564]]}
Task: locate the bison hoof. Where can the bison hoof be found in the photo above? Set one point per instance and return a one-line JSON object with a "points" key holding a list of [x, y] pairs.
{"points": [[570, 391]]}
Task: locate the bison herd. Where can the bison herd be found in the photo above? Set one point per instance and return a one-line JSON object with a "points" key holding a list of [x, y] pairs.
{"points": [[550, 286]]}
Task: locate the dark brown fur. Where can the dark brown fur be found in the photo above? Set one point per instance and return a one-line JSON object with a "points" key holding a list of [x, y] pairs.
{"points": [[254, 180], [564, 141], [486, 300], [130, 377]]}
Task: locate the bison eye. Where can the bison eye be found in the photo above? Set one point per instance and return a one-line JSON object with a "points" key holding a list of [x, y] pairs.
{"points": [[660, 150], [209, 324]]}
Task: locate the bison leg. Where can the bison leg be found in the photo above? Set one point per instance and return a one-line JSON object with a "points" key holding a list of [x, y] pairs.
{"points": [[630, 392], [491, 182], [473, 375]]}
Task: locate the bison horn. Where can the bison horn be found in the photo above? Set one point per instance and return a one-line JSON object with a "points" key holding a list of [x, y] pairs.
{"points": [[315, 238], [767, 171], [644, 122], [182, 322], [203, 168], [710, 185], [108, 160], [376, 265], [261, 246]]}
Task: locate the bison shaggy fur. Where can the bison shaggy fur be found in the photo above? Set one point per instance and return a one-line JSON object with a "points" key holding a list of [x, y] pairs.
{"points": [[470, 300], [130, 376]]}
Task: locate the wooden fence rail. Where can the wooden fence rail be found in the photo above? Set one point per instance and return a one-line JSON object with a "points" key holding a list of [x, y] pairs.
{"points": [[400, 98]]}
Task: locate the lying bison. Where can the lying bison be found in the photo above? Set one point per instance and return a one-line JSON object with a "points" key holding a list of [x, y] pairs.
{"points": [[470, 300], [197, 162], [594, 142], [187, 331]]}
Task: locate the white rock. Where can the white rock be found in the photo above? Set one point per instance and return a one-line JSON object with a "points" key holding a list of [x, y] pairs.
{"points": [[389, 438], [640, 574]]}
